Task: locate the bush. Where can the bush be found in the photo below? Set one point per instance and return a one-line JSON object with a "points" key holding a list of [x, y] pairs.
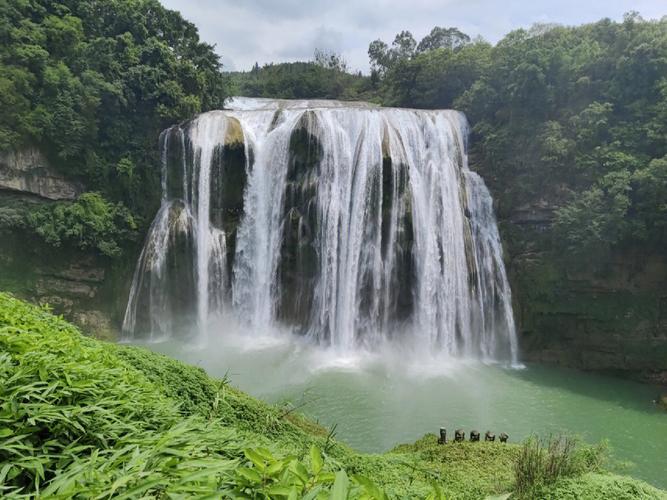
{"points": [[75, 419], [542, 463], [90, 222]]}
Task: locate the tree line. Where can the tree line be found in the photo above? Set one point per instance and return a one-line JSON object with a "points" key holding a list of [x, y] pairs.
{"points": [[577, 115]]}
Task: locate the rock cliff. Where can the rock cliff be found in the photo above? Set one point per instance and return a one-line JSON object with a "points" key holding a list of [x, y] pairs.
{"points": [[84, 287], [28, 172], [608, 314]]}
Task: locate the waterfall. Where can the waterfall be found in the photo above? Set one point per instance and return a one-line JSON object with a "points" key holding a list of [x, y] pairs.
{"points": [[349, 223]]}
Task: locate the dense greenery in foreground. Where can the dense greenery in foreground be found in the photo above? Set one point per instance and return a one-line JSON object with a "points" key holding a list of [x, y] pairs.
{"points": [[79, 417], [91, 83]]}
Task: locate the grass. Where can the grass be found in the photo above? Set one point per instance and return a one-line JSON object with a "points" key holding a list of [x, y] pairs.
{"points": [[88, 419], [542, 463]]}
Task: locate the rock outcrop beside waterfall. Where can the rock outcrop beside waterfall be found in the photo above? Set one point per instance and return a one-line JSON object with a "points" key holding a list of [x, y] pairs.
{"points": [[28, 172], [82, 286], [609, 314]]}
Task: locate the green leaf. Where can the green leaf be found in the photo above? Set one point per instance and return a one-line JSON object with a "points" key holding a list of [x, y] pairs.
{"points": [[249, 474], [280, 490], [316, 459], [273, 469], [340, 486], [326, 477], [255, 458], [300, 471], [314, 493]]}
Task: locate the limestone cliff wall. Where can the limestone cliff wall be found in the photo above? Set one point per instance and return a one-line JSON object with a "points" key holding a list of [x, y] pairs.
{"points": [[607, 314], [28, 172], [86, 288]]}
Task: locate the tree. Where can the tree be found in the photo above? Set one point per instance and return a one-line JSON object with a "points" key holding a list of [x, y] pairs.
{"points": [[443, 38], [330, 60]]}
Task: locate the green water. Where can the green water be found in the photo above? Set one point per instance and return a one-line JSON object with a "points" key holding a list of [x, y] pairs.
{"points": [[378, 401]]}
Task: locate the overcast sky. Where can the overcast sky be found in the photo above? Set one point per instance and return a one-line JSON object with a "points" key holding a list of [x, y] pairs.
{"points": [[249, 31]]}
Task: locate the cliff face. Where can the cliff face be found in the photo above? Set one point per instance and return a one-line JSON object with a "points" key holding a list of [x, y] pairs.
{"points": [[608, 314], [28, 172], [87, 289]]}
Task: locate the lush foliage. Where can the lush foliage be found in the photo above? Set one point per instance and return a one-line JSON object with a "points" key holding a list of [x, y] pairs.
{"points": [[428, 74], [594, 485], [326, 77], [574, 117], [541, 464], [76, 419], [92, 82], [81, 416], [89, 223]]}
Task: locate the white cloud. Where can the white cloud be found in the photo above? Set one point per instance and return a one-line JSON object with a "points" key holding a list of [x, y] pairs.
{"points": [[249, 31]]}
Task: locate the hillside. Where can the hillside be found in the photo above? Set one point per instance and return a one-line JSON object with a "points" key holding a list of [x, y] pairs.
{"points": [[96, 419]]}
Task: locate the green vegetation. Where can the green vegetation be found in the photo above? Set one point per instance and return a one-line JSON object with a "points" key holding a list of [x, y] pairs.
{"points": [[89, 222], [541, 464], [92, 83], [326, 77], [79, 417], [575, 116]]}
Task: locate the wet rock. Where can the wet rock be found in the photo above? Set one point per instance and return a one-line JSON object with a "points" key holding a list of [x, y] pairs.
{"points": [[234, 137], [80, 271], [539, 213], [95, 323], [59, 304], [50, 286]]}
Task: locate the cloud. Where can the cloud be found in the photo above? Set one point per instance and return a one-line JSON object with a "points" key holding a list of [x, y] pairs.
{"points": [[249, 31]]}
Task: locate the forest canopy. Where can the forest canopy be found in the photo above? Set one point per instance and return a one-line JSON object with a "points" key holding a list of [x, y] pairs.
{"points": [[576, 116], [92, 82]]}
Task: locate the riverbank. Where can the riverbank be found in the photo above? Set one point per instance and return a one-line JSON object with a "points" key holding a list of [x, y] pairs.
{"points": [[92, 418]]}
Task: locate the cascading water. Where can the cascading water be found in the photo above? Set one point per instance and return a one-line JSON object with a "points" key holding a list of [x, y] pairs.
{"points": [[351, 224]]}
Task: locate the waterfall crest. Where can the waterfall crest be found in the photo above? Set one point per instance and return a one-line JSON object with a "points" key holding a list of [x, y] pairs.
{"points": [[351, 224]]}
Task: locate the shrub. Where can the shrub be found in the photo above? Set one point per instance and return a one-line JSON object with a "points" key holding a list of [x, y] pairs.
{"points": [[90, 222], [77, 420], [542, 463]]}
